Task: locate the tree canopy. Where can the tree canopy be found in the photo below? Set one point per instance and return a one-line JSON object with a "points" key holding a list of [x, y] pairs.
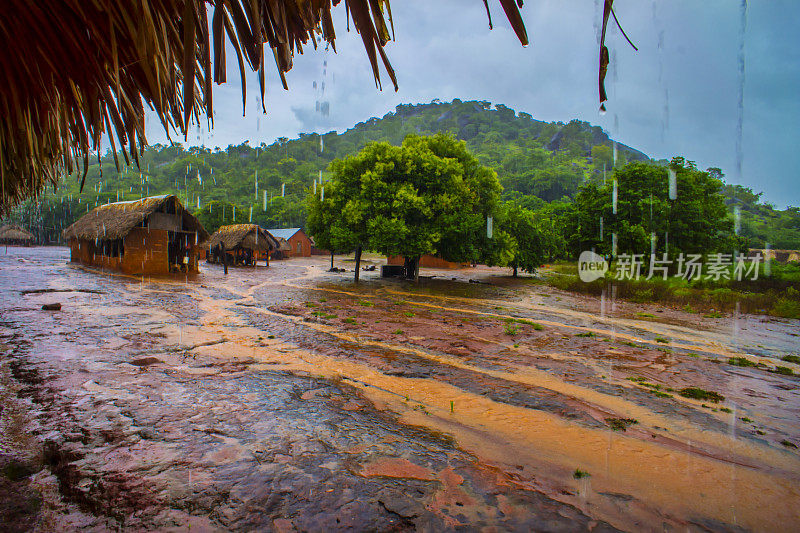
{"points": [[427, 196]]}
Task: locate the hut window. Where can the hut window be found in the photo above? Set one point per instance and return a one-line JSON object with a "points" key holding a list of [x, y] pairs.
{"points": [[111, 248]]}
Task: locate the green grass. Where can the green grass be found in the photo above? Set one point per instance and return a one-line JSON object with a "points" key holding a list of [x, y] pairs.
{"points": [[531, 323], [745, 419], [323, 314], [713, 314], [349, 320], [784, 370], [409, 314], [742, 361], [580, 474], [725, 410], [697, 393], [270, 336], [791, 359], [789, 444], [662, 340], [398, 332], [323, 300], [510, 329], [366, 303], [586, 334], [645, 315], [310, 304]]}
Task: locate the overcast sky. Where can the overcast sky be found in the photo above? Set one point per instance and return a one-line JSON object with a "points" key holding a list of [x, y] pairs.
{"points": [[678, 95]]}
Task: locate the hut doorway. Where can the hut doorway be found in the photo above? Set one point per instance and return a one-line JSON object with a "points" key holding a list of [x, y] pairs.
{"points": [[178, 251]]}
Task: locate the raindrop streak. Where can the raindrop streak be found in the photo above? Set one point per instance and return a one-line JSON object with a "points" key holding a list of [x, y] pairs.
{"points": [[613, 245], [740, 103], [265, 200], [614, 197], [489, 227], [673, 184], [737, 219], [601, 228]]}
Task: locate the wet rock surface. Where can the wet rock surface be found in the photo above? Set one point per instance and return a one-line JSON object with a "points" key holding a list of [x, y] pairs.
{"points": [[288, 399]]}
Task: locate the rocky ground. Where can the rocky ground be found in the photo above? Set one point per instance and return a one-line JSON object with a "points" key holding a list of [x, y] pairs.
{"points": [[290, 399]]}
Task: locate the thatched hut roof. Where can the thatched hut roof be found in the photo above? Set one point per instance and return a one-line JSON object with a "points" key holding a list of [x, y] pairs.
{"points": [[73, 70], [245, 235], [13, 232], [114, 221], [283, 245]]}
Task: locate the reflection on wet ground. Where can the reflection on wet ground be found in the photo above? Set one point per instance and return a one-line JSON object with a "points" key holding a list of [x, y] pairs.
{"points": [[289, 398]]}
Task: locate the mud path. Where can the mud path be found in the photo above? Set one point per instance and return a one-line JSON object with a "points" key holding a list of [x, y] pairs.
{"points": [[287, 398]]}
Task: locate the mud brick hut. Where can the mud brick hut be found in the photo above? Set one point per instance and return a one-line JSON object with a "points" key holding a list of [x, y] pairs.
{"points": [[244, 244], [427, 261], [12, 234], [299, 243], [153, 235]]}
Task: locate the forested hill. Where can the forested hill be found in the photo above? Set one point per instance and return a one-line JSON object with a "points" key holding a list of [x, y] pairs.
{"points": [[535, 161]]}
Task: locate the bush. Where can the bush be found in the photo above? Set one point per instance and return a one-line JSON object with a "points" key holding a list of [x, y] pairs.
{"points": [[700, 394]]}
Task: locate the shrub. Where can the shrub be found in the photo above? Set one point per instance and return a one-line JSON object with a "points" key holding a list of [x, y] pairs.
{"points": [[620, 424], [700, 394]]}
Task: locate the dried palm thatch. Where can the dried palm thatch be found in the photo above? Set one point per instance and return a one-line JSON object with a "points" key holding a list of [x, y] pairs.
{"points": [[283, 245], [14, 233], [74, 70], [115, 221], [249, 236]]}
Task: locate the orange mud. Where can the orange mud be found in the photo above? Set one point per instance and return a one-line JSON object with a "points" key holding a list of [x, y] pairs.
{"points": [[531, 402]]}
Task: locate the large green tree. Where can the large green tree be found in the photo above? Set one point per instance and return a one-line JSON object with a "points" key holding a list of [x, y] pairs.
{"points": [[696, 220], [427, 196], [535, 238]]}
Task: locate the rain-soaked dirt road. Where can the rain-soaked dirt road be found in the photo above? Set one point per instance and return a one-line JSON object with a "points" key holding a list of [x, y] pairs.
{"points": [[289, 399]]}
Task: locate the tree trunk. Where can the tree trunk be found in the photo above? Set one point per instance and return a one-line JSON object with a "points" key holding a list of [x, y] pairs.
{"points": [[410, 267], [225, 259], [515, 271], [358, 262], [331, 259]]}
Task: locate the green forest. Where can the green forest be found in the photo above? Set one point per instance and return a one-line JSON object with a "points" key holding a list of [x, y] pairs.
{"points": [[560, 171]]}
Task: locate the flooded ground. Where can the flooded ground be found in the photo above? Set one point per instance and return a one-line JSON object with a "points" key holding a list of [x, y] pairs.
{"points": [[288, 398]]}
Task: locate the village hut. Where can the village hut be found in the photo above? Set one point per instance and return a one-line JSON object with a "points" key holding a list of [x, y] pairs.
{"points": [[243, 244], [283, 251], [12, 234], [75, 71], [299, 244], [153, 235]]}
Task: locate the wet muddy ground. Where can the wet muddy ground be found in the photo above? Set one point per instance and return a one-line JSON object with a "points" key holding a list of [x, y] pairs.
{"points": [[290, 399]]}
